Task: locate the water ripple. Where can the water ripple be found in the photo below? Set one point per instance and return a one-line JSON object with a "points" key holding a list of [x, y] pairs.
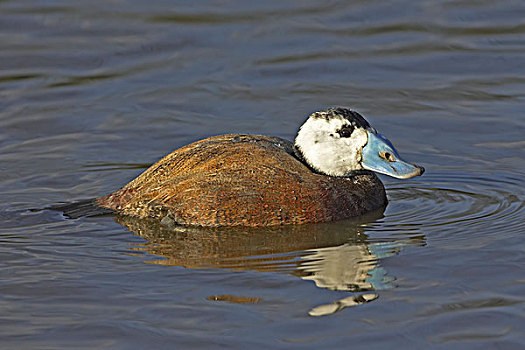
{"points": [[455, 202]]}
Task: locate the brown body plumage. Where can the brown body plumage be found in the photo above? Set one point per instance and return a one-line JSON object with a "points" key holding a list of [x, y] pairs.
{"points": [[247, 180]]}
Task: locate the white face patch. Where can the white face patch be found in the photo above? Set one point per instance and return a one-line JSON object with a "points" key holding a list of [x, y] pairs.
{"points": [[325, 150]]}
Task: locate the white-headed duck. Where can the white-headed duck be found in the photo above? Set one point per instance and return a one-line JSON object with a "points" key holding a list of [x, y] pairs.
{"points": [[251, 180]]}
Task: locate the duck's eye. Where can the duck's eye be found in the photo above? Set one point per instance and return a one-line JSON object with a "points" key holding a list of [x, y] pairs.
{"points": [[345, 132], [387, 156]]}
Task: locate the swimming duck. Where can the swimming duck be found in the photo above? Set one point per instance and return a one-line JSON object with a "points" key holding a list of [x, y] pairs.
{"points": [[327, 174]]}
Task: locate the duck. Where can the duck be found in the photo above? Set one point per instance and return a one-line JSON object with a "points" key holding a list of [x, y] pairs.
{"points": [[328, 173]]}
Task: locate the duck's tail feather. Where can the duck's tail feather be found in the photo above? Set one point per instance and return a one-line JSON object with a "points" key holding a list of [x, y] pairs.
{"points": [[85, 208]]}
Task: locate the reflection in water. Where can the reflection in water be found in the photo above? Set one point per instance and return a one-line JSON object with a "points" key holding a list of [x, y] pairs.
{"points": [[234, 299], [328, 309], [334, 256]]}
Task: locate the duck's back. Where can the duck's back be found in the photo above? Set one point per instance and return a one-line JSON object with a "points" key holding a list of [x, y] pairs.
{"points": [[245, 180]]}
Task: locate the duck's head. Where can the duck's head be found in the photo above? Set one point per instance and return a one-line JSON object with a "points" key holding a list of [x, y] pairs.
{"points": [[339, 141]]}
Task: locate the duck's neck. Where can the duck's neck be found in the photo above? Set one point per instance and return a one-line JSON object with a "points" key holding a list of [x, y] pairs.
{"points": [[300, 156]]}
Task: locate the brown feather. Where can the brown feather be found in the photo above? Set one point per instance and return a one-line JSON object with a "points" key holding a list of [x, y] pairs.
{"points": [[247, 180]]}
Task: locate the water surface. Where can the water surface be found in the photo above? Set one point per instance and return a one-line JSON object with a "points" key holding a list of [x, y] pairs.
{"points": [[92, 93]]}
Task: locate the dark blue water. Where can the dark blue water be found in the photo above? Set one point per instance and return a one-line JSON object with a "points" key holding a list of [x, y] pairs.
{"points": [[91, 93]]}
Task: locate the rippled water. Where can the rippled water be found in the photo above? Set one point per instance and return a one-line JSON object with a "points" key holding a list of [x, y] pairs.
{"points": [[92, 93]]}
